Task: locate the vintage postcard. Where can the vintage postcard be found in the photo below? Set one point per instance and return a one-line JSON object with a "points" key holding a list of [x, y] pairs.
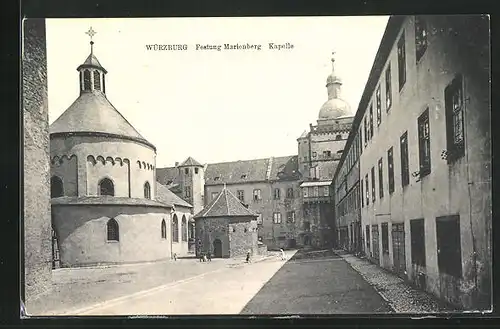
{"points": [[272, 165]]}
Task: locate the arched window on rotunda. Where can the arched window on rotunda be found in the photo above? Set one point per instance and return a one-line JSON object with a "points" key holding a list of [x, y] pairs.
{"points": [[147, 190], [106, 187], [56, 187]]}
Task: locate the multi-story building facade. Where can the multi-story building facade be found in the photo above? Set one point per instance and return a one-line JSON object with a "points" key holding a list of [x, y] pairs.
{"points": [[420, 145], [319, 151], [291, 194]]}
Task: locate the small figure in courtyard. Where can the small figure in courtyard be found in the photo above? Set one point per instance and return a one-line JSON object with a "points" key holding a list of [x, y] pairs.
{"points": [[175, 256], [283, 257], [201, 257], [248, 257], [204, 257], [209, 256]]}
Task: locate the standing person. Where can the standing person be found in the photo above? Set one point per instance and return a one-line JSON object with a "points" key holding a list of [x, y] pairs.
{"points": [[283, 257], [209, 256], [248, 257], [175, 257]]}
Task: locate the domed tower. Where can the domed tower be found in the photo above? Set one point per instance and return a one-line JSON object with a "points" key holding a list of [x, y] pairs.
{"points": [[335, 107]]}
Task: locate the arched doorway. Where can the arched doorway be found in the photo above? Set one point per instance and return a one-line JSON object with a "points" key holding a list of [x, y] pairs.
{"points": [[217, 248]]}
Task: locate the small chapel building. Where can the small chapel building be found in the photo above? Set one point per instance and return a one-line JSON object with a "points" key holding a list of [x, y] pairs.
{"points": [[226, 228], [106, 204]]}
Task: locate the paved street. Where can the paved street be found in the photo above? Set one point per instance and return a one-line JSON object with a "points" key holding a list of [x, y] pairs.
{"points": [[316, 283], [310, 282], [224, 291]]}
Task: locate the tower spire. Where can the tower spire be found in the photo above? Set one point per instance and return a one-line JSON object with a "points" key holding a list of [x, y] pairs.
{"points": [[333, 61], [91, 33]]}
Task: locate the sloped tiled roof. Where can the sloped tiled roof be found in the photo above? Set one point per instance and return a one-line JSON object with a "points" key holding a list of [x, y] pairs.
{"points": [[236, 172], [190, 162], [164, 195], [92, 112], [281, 168], [167, 176], [225, 205], [285, 168]]}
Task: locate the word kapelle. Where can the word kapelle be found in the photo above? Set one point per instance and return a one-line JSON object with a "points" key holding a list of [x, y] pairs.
{"points": [[274, 46]]}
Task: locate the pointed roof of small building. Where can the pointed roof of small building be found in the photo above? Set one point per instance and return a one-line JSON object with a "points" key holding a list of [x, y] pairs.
{"points": [[190, 162], [226, 204]]}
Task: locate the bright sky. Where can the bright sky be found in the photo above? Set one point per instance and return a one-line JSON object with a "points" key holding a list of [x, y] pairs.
{"points": [[215, 106]]}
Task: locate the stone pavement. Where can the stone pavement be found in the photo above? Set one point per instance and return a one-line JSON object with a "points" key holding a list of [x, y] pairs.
{"points": [[401, 296], [225, 291], [81, 288], [316, 282]]}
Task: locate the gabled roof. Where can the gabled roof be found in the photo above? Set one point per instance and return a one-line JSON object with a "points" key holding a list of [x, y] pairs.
{"points": [[225, 205], [164, 195], [190, 162], [92, 112]]}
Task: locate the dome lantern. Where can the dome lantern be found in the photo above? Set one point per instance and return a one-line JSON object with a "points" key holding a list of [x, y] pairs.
{"points": [[92, 73]]}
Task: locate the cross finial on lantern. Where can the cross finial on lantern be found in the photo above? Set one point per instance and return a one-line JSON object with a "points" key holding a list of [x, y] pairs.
{"points": [[333, 60], [91, 33]]}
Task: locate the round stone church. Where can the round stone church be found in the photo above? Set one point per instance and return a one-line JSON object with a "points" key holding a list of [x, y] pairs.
{"points": [[106, 204]]}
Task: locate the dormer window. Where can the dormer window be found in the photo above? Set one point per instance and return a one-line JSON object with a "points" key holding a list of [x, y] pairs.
{"points": [[216, 178], [195, 170], [340, 151], [244, 176]]}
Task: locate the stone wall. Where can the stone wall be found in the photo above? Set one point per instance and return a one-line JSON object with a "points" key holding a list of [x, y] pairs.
{"points": [[37, 227], [242, 236], [210, 229]]}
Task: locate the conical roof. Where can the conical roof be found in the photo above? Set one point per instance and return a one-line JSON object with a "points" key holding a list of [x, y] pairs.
{"points": [[93, 112], [225, 204], [190, 162]]}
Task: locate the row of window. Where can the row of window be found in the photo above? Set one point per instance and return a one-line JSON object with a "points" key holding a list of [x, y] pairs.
{"points": [[447, 237], [315, 191], [113, 230], [257, 194], [454, 113], [87, 83], [186, 170], [420, 48], [290, 217], [104, 187], [367, 126], [350, 203]]}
